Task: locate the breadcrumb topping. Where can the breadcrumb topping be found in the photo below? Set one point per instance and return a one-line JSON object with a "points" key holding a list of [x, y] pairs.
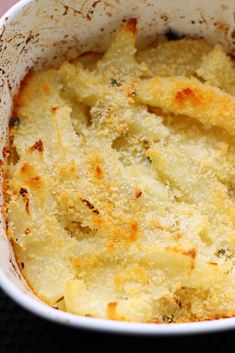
{"points": [[121, 187]]}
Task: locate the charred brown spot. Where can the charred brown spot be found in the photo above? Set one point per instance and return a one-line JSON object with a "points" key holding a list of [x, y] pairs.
{"points": [[212, 263], [178, 301], [5, 152], [188, 92], [24, 194], [233, 34], [90, 206], [131, 25], [54, 110], [38, 146], [134, 231], [35, 181], [66, 9], [13, 154], [14, 122], [26, 167], [111, 310], [22, 265], [27, 231], [96, 165], [95, 3], [99, 172], [182, 95], [191, 252], [187, 95], [137, 193]]}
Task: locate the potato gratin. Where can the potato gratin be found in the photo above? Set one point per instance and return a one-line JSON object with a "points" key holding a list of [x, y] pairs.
{"points": [[121, 182]]}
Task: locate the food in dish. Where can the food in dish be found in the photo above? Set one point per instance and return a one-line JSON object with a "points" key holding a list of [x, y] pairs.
{"points": [[121, 196]]}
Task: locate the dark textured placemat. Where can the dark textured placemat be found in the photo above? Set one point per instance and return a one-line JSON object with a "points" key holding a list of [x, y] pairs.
{"points": [[21, 332]]}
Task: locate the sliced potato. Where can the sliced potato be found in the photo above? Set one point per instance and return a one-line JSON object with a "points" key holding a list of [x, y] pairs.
{"points": [[47, 274], [188, 96], [88, 60], [85, 86], [118, 210], [218, 70], [119, 59], [181, 57], [79, 301]]}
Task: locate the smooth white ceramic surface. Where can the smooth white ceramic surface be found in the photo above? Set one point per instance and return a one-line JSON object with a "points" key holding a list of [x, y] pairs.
{"points": [[36, 33]]}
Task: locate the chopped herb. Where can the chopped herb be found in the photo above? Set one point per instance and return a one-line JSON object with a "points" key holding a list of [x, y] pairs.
{"points": [[220, 253], [168, 318], [115, 83], [224, 253], [171, 35], [14, 121]]}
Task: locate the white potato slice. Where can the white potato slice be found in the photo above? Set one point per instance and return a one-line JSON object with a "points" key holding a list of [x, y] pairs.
{"points": [[188, 96], [218, 70], [85, 85], [119, 59], [79, 300], [175, 58]]}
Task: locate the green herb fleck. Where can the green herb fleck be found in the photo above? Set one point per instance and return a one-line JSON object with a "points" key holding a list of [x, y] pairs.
{"points": [[168, 318], [220, 253], [115, 83]]}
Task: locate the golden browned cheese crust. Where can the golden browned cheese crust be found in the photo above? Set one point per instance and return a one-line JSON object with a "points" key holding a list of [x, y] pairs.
{"points": [[121, 182]]}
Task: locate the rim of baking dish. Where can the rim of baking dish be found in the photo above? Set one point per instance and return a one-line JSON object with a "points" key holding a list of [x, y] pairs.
{"points": [[95, 324], [108, 326]]}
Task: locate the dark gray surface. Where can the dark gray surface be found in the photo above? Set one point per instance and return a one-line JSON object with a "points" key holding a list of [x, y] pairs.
{"points": [[21, 332]]}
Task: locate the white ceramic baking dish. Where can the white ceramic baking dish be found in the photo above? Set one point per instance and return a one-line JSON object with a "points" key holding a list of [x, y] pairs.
{"points": [[36, 33]]}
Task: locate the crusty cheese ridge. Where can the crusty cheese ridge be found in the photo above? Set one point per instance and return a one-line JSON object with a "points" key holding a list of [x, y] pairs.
{"points": [[188, 96], [121, 200]]}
